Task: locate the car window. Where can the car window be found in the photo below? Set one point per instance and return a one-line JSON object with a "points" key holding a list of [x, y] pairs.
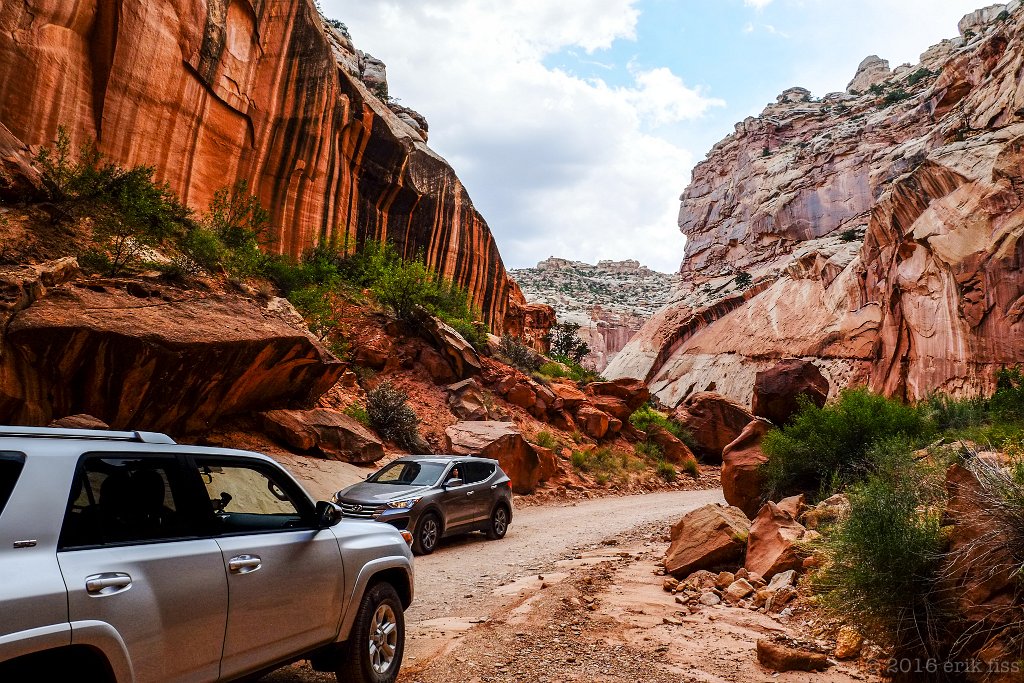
{"points": [[476, 472], [117, 500], [409, 473], [10, 468], [250, 498]]}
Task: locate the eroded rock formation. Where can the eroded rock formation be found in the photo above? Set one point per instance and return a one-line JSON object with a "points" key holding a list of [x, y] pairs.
{"points": [[213, 91], [877, 235]]}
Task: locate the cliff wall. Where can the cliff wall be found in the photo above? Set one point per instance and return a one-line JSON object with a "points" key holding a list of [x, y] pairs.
{"points": [[214, 91], [876, 232]]}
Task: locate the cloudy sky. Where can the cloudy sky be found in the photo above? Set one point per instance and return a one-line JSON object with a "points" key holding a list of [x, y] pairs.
{"points": [[575, 123]]}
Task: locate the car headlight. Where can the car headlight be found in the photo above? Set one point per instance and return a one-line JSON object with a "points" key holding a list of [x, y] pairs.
{"points": [[403, 504]]}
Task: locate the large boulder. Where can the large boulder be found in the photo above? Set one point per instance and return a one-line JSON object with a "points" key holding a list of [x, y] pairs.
{"points": [[714, 421], [781, 657], [526, 465], [459, 353], [707, 538], [674, 450], [333, 435], [775, 535], [595, 423], [777, 390], [466, 400], [569, 394], [742, 479], [145, 356], [632, 392]]}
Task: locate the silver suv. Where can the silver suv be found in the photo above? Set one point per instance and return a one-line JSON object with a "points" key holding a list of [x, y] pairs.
{"points": [[126, 557]]}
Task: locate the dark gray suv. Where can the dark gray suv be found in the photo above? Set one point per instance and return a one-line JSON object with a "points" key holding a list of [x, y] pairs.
{"points": [[434, 496]]}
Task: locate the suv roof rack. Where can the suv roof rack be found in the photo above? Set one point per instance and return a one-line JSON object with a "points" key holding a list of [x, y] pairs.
{"points": [[93, 434]]}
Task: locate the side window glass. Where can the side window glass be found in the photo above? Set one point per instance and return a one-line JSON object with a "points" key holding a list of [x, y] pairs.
{"points": [[119, 500], [477, 472], [247, 498], [10, 468]]}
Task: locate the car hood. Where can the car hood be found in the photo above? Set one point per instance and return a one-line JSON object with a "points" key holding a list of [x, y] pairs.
{"points": [[369, 492]]}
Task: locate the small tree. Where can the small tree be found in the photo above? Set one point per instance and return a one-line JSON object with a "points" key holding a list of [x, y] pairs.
{"points": [[565, 342], [744, 279], [237, 217]]}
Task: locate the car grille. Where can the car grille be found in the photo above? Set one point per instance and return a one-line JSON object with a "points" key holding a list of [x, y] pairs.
{"points": [[360, 511]]}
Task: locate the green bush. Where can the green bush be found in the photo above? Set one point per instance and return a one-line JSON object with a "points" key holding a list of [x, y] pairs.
{"points": [[920, 75], [1008, 401], [883, 558], [517, 354], [644, 417], [553, 370], [666, 471], [946, 412], [579, 460], [691, 468], [823, 448], [565, 342], [389, 413], [600, 461], [650, 450], [577, 372], [545, 440], [850, 235], [357, 413], [744, 280], [895, 96]]}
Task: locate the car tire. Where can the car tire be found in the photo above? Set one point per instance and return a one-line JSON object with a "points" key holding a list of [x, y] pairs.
{"points": [[428, 534], [373, 652], [498, 526]]}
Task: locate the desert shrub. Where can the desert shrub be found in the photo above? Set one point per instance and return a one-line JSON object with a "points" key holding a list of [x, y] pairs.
{"points": [[650, 450], [946, 412], [691, 468], [644, 417], [1008, 401], [516, 353], [600, 461], [389, 414], [551, 369], [849, 235], [357, 413], [316, 304], [825, 448], [744, 280], [577, 372], [920, 75], [369, 263], [565, 342], [882, 560], [876, 88], [578, 460], [545, 440], [895, 96], [666, 471]]}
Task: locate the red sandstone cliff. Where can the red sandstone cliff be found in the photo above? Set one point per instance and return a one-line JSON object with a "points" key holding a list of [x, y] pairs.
{"points": [[880, 229], [212, 91]]}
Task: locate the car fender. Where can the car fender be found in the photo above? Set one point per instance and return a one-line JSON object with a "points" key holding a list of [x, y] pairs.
{"points": [[362, 581], [105, 638], [436, 509], [34, 640]]}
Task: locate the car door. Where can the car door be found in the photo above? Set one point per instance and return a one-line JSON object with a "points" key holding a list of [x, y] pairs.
{"points": [[479, 494], [132, 557], [455, 501], [285, 577]]}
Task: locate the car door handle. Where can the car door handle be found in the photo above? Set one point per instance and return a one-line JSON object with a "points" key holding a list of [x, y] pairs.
{"points": [[107, 584], [494, 486], [243, 564], [470, 493]]}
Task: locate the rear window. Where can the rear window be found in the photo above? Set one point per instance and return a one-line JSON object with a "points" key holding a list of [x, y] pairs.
{"points": [[10, 468], [478, 471]]}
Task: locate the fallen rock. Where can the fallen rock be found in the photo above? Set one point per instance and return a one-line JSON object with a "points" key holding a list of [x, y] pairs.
{"points": [[436, 366], [701, 580], [615, 407], [526, 465], [782, 580], [459, 353], [669, 584], [828, 511], [848, 643], [141, 355], [706, 538], [742, 480], [724, 579], [714, 422], [772, 545], [794, 505], [632, 392], [466, 400], [782, 658], [594, 422], [710, 599], [570, 395], [778, 390], [777, 600], [738, 590], [332, 434], [79, 422], [674, 450]]}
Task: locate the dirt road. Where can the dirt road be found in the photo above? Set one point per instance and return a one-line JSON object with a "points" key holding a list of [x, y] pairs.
{"points": [[469, 577]]}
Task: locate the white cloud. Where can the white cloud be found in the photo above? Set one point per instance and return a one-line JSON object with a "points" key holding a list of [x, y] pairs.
{"points": [[757, 4], [557, 164]]}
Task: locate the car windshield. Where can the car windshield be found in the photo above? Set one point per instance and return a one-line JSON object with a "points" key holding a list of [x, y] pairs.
{"points": [[409, 473]]}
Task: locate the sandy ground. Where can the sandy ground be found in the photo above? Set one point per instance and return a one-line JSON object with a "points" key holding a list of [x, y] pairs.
{"points": [[572, 594]]}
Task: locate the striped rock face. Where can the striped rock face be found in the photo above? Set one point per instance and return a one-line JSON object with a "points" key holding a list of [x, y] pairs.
{"points": [[876, 234], [210, 92]]}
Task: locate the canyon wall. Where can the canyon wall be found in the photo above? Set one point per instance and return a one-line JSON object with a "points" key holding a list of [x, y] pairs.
{"points": [[876, 232], [214, 91]]}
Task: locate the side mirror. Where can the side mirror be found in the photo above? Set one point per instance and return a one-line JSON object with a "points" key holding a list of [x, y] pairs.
{"points": [[369, 475], [453, 483], [327, 514]]}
